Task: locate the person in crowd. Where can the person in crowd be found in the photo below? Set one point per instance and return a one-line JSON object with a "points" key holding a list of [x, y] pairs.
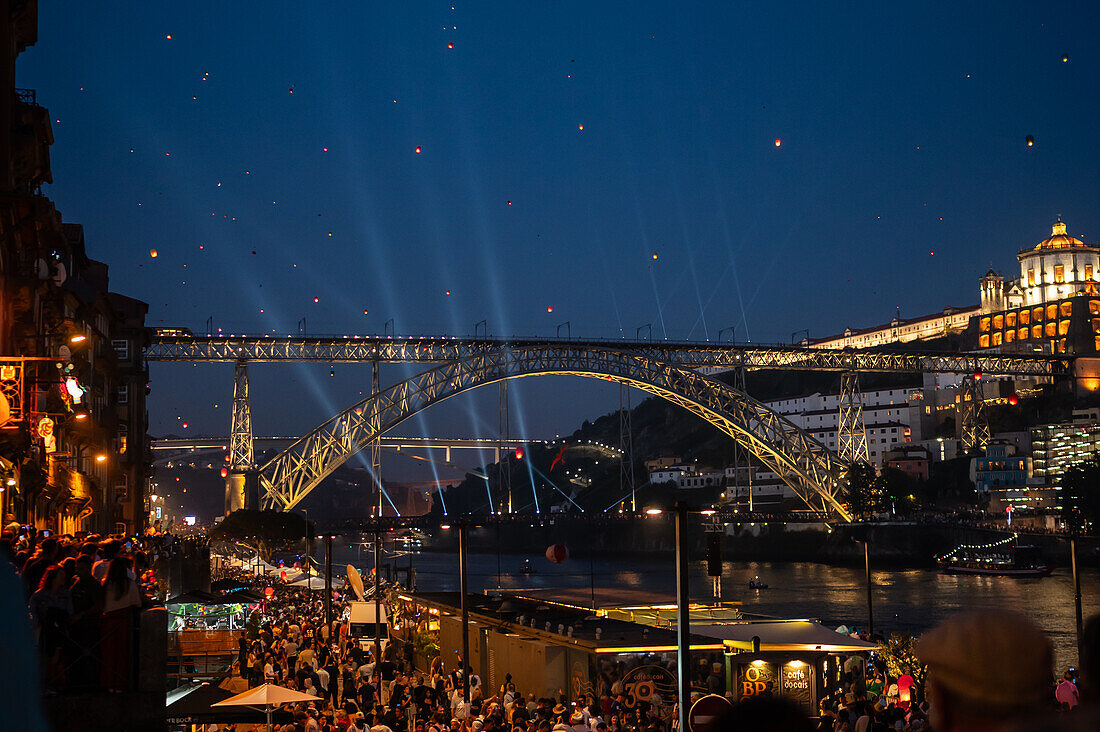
{"points": [[987, 671], [120, 598]]}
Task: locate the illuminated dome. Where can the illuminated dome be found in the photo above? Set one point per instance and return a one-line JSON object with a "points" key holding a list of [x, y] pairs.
{"points": [[1059, 239]]}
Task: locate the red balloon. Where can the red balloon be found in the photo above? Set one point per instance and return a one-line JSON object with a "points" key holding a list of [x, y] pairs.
{"points": [[557, 553], [519, 453], [1013, 399], [269, 592]]}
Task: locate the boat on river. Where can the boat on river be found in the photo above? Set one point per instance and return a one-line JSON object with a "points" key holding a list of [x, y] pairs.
{"points": [[1005, 558]]}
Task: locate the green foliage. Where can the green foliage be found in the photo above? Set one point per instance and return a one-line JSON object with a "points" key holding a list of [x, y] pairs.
{"points": [[262, 531], [901, 659], [864, 491], [1081, 496]]}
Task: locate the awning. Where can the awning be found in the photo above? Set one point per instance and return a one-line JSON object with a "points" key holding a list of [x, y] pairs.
{"points": [[790, 635]]}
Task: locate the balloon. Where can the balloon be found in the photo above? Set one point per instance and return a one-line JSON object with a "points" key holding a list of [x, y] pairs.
{"points": [[557, 553], [1013, 399]]}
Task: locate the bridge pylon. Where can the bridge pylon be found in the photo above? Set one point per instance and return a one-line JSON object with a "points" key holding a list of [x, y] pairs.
{"points": [[851, 431], [240, 481], [971, 411]]}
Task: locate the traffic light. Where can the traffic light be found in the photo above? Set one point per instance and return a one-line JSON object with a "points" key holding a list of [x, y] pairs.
{"points": [[714, 555]]}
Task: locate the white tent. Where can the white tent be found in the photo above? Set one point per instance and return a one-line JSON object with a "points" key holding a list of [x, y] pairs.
{"points": [[267, 697], [314, 583]]}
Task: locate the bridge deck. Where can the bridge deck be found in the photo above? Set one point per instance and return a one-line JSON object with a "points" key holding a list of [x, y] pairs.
{"points": [[696, 355]]}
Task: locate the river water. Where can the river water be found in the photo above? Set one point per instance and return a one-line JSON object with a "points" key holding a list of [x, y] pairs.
{"points": [[910, 600]]}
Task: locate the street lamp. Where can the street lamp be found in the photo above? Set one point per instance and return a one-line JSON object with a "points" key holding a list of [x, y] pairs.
{"points": [[100, 458], [78, 339]]}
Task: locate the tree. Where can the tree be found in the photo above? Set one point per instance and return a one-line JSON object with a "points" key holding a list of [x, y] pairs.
{"points": [[864, 494], [1081, 496], [264, 532], [902, 659]]}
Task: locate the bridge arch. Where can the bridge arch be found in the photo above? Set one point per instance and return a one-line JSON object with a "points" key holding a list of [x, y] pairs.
{"points": [[807, 466]]}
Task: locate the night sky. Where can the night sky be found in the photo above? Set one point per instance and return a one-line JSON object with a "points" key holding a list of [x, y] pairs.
{"points": [[273, 153]]}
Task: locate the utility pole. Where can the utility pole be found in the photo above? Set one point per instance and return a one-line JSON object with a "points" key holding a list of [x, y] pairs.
{"points": [[463, 589], [683, 618]]}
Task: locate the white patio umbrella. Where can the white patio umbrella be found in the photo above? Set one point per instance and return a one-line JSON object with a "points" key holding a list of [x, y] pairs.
{"points": [[267, 698]]}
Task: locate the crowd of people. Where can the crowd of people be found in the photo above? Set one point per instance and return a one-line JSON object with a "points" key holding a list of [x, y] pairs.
{"points": [[83, 596], [987, 671]]}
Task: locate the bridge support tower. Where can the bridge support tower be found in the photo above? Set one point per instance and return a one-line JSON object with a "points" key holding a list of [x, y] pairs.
{"points": [[376, 445], [851, 431], [971, 412], [626, 448], [241, 487]]}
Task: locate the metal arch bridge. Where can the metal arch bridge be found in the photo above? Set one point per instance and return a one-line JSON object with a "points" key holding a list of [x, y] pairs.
{"points": [[812, 471], [672, 370]]}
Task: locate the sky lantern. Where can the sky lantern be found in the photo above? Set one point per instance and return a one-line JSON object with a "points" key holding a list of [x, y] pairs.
{"points": [[450, 44], [316, 299], [1065, 58], [282, 575], [1013, 399], [557, 553], [153, 253], [778, 142], [417, 149], [520, 452], [977, 374], [269, 592], [184, 425], [654, 255], [225, 472], [1030, 140], [549, 308]]}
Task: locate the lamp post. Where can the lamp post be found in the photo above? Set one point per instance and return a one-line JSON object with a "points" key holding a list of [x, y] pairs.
{"points": [[683, 620], [462, 589]]}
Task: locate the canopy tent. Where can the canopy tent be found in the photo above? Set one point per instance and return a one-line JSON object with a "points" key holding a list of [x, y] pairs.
{"points": [[195, 597], [267, 697], [784, 635], [314, 583]]}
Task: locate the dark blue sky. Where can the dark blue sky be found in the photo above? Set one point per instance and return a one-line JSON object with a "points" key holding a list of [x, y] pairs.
{"points": [[902, 128]]}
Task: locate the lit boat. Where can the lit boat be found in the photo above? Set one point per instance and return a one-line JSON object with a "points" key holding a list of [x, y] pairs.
{"points": [[1002, 558]]}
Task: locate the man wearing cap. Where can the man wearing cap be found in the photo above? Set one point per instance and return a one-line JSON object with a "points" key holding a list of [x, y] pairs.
{"points": [[987, 670]]}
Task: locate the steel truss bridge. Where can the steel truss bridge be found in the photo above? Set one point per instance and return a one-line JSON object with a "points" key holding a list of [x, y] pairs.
{"points": [[678, 372]]}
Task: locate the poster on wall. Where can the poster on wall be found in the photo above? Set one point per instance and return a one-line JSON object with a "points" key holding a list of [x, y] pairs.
{"points": [[650, 686]]}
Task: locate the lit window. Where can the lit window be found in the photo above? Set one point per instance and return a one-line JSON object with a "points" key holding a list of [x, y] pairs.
{"points": [[1010, 335], [1063, 327], [1025, 317], [998, 321], [1059, 274], [984, 325], [1052, 329], [1052, 311], [1010, 320], [1065, 309], [1036, 331], [997, 338], [1088, 271], [1031, 278], [983, 341], [1037, 315]]}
